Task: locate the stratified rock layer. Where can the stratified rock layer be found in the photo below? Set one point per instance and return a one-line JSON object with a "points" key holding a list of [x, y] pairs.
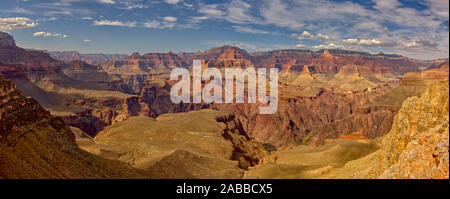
{"points": [[417, 145], [34, 144]]}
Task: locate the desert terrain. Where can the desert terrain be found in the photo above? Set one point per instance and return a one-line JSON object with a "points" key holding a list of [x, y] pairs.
{"points": [[341, 114]]}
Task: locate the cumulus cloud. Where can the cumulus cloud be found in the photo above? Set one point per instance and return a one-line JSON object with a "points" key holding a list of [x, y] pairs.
{"points": [[114, 23], [16, 23], [377, 43], [305, 35], [327, 46], [47, 34], [322, 37], [308, 35], [86, 40]]}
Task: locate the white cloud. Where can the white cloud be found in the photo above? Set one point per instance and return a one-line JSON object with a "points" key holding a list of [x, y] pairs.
{"points": [[87, 40], [386, 4], [275, 12], [243, 29], [152, 24], [439, 8], [308, 35], [107, 1], [114, 23], [342, 20], [327, 46], [158, 25], [238, 12], [304, 35], [211, 11], [15, 23], [198, 19], [132, 4], [48, 34], [369, 42], [350, 41], [170, 19], [377, 43], [173, 2], [322, 37]]}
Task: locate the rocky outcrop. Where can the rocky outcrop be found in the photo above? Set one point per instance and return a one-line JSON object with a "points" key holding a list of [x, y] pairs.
{"points": [[327, 115], [35, 144], [417, 145], [6, 40], [30, 60], [12, 70], [247, 151], [93, 120]]}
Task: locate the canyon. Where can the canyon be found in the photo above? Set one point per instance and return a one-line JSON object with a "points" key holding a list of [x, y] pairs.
{"points": [[338, 112]]}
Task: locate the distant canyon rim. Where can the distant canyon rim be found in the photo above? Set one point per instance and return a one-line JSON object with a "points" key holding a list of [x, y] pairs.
{"points": [[234, 86]]}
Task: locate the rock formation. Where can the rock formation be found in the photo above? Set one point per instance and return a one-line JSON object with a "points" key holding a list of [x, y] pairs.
{"points": [[35, 144], [83, 94], [417, 145], [197, 144], [93, 59]]}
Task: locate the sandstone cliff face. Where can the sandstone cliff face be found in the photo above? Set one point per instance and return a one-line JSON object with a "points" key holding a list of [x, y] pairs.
{"points": [[333, 60], [6, 40], [327, 115], [417, 145], [31, 61], [84, 94], [34, 144]]}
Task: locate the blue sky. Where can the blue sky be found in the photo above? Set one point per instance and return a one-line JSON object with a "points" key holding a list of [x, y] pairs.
{"points": [[417, 29]]}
